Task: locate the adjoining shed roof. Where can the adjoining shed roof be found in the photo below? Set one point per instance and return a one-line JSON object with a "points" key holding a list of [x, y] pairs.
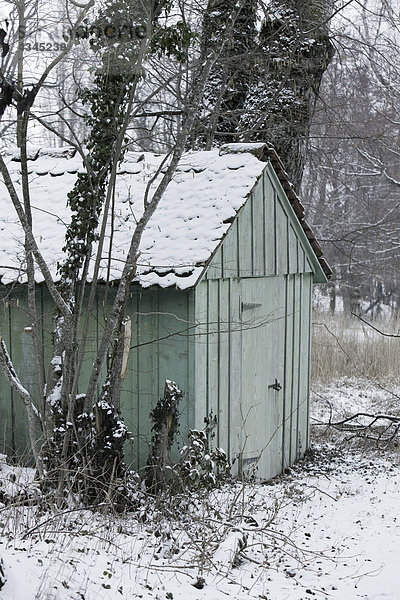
{"points": [[206, 192]]}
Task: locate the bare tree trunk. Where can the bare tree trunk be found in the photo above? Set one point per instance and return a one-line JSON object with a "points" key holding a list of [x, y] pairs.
{"points": [[226, 90], [264, 85], [165, 419], [294, 51]]}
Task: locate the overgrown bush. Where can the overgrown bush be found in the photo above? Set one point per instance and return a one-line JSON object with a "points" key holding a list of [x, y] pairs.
{"points": [[200, 466]]}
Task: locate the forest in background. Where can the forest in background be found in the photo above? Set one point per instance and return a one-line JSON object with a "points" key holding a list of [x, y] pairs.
{"points": [[352, 182]]}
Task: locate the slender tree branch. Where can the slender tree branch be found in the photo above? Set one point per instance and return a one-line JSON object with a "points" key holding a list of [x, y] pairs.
{"points": [[32, 245], [391, 335]]}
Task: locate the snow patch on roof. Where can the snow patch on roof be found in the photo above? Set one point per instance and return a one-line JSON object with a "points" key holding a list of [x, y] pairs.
{"points": [[194, 214]]}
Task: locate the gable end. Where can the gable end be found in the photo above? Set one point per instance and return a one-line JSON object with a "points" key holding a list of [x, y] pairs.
{"points": [[268, 236]]}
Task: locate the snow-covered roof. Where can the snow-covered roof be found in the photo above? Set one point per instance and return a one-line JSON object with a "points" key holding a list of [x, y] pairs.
{"points": [[207, 190]]}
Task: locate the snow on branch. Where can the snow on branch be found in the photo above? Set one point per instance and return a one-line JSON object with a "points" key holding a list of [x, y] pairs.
{"points": [[378, 164], [9, 371]]}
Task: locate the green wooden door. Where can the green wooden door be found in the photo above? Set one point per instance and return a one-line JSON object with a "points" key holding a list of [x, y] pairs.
{"points": [[262, 375]]}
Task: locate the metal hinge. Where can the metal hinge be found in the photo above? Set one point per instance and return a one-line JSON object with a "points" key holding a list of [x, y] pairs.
{"points": [[249, 305], [275, 386]]}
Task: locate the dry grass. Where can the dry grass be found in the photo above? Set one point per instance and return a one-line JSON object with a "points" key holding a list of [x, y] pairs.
{"points": [[347, 347]]}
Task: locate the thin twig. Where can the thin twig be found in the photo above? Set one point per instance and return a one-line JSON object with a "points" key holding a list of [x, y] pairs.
{"points": [[392, 335]]}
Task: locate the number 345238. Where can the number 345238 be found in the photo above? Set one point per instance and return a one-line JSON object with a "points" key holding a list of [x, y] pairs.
{"points": [[45, 46]]}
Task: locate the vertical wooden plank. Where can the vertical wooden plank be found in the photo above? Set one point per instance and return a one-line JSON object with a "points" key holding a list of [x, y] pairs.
{"points": [[259, 231], [309, 300], [302, 257], [134, 421], [213, 349], [21, 352], [269, 226], [282, 239], [295, 370], [6, 417], [245, 241], [235, 383], [269, 341], [288, 391], [191, 362], [223, 375], [47, 325], [200, 349], [214, 271], [276, 235], [251, 232], [304, 363], [13, 398], [278, 358], [208, 352], [96, 325], [301, 366], [230, 251], [293, 250]]}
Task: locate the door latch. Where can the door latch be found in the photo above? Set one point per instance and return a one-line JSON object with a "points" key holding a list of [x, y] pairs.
{"points": [[276, 386]]}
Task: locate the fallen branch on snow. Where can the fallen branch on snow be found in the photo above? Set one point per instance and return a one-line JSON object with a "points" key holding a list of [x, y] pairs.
{"points": [[380, 428]]}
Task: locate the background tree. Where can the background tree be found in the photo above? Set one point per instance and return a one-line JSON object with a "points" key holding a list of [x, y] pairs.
{"points": [[266, 81], [352, 182]]}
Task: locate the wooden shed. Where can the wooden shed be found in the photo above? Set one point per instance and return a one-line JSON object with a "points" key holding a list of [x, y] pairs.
{"points": [[221, 303]]}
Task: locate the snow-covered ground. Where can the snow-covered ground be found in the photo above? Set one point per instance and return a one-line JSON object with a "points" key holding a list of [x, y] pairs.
{"points": [[329, 529]]}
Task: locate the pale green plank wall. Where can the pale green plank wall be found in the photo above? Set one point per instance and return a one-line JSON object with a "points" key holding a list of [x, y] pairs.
{"points": [[157, 355], [265, 260], [13, 428]]}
